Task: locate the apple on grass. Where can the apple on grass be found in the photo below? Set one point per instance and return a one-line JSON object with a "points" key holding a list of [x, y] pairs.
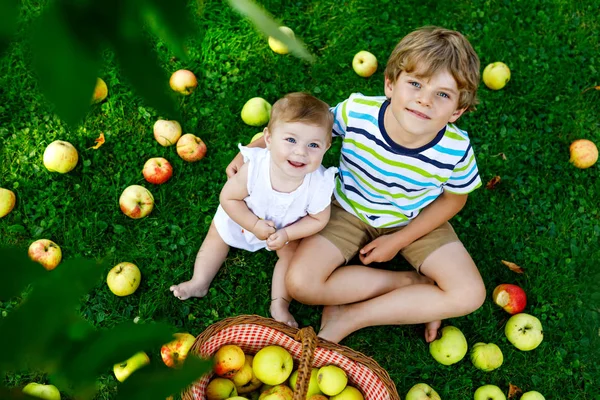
{"points": [[60, 156], [584, 153], [450, 348], [422, 391], [256, 112], [313, 383], [510, 297], [229, 360], [136, 201], [123, 369], [46, 392], [364, 63], [272, 365], [524, 331], [486, 357], [157, 170], [277, 392], [166, 132], [175, 352], [532, 395], [45, 252], [332, 380], [277, 46], [7, 201], [220, 389], [183, 81], [100, 91], [489, 392], [496, 75], [191, 148], [123, 279]]}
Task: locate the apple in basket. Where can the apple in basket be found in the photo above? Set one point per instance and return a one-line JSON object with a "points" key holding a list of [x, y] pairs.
{"points": [[272, 365], [313, 384], [332, 380], [278, 392], [174, 353], [349, 393], [228, 360], [220, 389]]}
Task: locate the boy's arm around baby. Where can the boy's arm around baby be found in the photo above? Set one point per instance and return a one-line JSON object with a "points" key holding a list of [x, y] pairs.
{"points": [[441, 210]]}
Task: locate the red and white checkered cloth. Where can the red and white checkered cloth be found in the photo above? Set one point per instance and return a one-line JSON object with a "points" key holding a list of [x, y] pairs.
{"points": [[251, 338]]}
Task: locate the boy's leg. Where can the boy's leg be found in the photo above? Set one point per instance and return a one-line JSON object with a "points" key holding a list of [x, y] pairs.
{"points": [[459, 291], [209, 259], [280, 298]]}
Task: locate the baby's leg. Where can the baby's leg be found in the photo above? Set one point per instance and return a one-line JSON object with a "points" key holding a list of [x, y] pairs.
{"points": [[280, 298], [209, 259]]}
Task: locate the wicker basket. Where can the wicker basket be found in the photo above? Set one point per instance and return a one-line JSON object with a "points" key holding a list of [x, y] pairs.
{"points": [[253, 332]]}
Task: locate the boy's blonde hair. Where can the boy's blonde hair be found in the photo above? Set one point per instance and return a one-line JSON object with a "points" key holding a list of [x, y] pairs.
{"points": [[432, 49], [301, 107]]}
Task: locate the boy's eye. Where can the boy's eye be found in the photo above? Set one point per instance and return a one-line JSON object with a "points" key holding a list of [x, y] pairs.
{"points": [[415, 84], [291, 140], [442, 94], [313, 145]]}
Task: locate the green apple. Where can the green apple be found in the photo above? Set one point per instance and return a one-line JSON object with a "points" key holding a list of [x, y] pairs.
{"points": [[60, 156], [257, 136], [237, 398], [220, 389], [123, 279], [100, 91], [7, 201], [124, 369], [256, 111], [278, 392], [313, 383], [47, 392], [272, 365], [277, 46], [317, 397], [524, 331], [422, 391], [496, 75], [349, 393], [486, 357], [332, 380], [364, 63], [532, 395], [489, 392], [450, 348], [243, 374]]}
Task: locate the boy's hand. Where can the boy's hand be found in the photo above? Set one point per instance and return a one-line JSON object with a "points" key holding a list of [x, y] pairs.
{"points": [[234, 166], [277, 240], [263, 229], [382, 249]]}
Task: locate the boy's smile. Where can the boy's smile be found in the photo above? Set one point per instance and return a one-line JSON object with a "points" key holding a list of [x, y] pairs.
{"points": [[420, 107]]}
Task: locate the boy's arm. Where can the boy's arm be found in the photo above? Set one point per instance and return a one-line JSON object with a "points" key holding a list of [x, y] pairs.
{"points": [[237, 162], [304, 227], [385, 247]]}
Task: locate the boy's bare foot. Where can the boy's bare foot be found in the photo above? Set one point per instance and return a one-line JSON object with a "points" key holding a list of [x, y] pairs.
{"points": [[188, 289], [331, 324], [280, 312], [431, 330]]}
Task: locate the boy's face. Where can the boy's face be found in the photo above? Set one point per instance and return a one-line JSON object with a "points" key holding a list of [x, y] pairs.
{"points": [[421, 107], [297, 148]]}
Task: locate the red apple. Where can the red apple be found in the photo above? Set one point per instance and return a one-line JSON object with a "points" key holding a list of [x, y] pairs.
{"points": [[136, 201], [183, 81], [174, 353], [45, 252], [191, 148], [584, 153], [157, 170], [510, 297]]}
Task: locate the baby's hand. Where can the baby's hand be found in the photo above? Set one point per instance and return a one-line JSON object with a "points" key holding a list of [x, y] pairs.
{"points": [[277, 240], [263, 229]]}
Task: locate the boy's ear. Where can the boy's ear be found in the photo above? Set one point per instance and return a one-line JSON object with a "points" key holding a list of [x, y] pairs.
{"points": [[456, 114], [388, 87]]}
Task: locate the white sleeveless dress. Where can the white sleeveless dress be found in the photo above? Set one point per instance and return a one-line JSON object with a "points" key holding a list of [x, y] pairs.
{"points": [[311, 197]]}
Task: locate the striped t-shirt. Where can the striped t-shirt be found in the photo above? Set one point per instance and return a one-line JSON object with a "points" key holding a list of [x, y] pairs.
{"points": [[386, 184]]}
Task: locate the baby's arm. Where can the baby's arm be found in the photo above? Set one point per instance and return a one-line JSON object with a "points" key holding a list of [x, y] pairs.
{"points": [[232, 200], [304, 227]]}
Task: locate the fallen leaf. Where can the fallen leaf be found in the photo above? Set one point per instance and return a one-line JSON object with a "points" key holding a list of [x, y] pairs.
{"points": [[492, 183], [99, 142], [501, 155], [513, 391], [513, 267], [590, 88]]}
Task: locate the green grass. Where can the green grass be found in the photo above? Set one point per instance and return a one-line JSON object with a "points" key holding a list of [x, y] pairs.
{"points": [[544, 214]]}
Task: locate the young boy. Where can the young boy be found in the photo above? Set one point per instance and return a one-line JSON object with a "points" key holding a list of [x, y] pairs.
{"points": [[405, 170]]}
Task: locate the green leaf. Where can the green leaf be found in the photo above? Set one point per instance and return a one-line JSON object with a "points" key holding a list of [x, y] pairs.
{"points": [[263, 21], [17, 272], [170, 21], [66, 63], [160, 382]]}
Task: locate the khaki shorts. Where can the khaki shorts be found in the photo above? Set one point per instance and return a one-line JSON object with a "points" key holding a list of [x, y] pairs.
{"points": [[349, 234]]}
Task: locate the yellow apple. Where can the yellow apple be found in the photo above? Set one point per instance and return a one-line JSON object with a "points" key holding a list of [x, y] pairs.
{"points": [[166, 132], [278, 392], [489, 392], [60, 156], [100, 91], [584, 153], [524, 331], [46, 392], [450, 348], [256, 112], [317, 397], [257, 136], [496, 75], [486, 357], [332, 380], [228, 360], [422, 391], [45, 252], [272, 365], [244, 375], [364, 63], [183, 81], [7, 201], [175, 352], [136, 201], [123, 279], [124, 369], [277, 46], [532, 395], [349, 393], [220, 389], [313, 383]]}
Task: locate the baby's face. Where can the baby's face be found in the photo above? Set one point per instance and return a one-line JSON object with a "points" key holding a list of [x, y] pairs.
{"points": [[297, 148]]}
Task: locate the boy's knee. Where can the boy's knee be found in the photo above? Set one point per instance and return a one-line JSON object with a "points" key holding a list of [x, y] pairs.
{"points": [[471, 298], [300, 286]]}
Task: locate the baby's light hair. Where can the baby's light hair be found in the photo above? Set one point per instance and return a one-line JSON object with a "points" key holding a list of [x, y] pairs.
{"points": [[301, 107], [432, 49]]}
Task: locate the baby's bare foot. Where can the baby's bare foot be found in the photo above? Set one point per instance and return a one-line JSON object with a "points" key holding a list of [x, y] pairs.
{"points": [[280, 312], [431, 330], [188, 289]]}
